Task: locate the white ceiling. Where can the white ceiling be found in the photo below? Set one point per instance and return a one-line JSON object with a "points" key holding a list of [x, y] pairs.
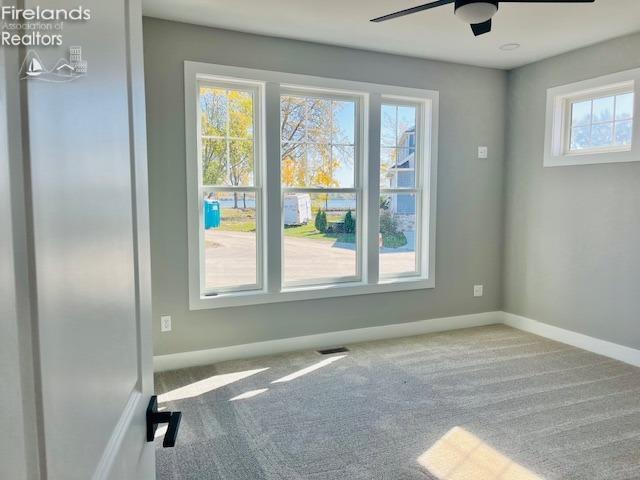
{"points": [[543, 30]]}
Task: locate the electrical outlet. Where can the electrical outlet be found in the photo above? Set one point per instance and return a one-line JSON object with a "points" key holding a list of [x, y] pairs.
{"points": [[477, 290], [483, 152], [165, 323]]}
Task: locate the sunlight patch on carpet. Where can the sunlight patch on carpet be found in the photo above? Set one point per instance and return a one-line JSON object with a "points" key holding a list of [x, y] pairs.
{"points": [[304, 371], [460, 455], [207, 385]]}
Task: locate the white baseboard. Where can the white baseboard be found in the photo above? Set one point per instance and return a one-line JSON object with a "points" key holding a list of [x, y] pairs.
{"points": [[322, 340], [595, 345], [205, 357]]}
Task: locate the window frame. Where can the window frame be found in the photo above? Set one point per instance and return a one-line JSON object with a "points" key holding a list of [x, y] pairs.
{"points": [[557, 149], [421, 261], [357, 189], [256, 188], [272, 84]]}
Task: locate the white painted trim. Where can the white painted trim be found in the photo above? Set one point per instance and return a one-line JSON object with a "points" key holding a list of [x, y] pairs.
{"points": [[114, 445], [601, 347], [205, 357], [272, 290], [321, 340]]}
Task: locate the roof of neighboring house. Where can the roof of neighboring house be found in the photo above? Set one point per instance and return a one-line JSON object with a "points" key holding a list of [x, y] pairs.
{"points": [[65, 65]]}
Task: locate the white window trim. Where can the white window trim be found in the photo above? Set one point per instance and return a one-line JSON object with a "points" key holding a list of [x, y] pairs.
{"points": [[359, 160], [257, 188], [271, 260], [557, 127], [420, 154]]}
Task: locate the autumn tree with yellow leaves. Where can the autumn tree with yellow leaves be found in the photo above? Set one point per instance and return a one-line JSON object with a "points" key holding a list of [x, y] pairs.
{"points": [[309, 154]]}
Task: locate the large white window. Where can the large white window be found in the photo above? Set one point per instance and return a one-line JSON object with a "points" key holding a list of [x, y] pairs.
{"points": [[322, 199], [229, 187], [304, 187], [594, 121]]}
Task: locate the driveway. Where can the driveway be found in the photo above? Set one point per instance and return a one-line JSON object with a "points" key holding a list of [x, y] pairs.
{"points": [[231, 259]]}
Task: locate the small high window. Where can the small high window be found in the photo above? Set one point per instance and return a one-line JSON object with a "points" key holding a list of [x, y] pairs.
{"points": [[601, 123], [593, 121]]}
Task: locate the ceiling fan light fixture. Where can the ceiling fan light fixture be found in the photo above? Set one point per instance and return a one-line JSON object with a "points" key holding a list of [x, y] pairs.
{"points": [[473, 11]]}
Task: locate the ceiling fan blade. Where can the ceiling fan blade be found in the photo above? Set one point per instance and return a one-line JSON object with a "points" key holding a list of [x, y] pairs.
{"points": [[411, 10], [481, 28]]}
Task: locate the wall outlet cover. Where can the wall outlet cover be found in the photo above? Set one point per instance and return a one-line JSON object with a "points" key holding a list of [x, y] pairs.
{"points": [[483, 152], [478, 290], [165, 323]]}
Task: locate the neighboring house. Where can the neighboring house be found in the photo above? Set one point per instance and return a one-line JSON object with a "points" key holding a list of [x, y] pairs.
{"points": [[403, 175], [65, 67]]}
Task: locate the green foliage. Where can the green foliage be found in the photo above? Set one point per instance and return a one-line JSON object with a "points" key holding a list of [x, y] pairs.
{"points": [[349, 223], [309, 231], [394, 240], [391, 237], [226, 113], [321, 221], [388, 224]]}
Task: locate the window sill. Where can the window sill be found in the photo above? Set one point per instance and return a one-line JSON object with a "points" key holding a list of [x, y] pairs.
{"points": [[291, 294], [630, 154]]}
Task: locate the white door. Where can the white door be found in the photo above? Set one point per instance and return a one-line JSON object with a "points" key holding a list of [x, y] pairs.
{"points": [[88, 249]]}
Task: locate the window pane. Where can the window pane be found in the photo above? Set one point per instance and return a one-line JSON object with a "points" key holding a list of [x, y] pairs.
{"points": [[213, 112], [624, 106], [319, 237], [397, 165], [388, 122], [580, 138], [323, 155], [602, 135], [342, 171], [624, 132], [581, 113], [230, 244], [240, 114], [226, 115], [318, 120], [320, 166], [213, 158], [397, 237], [603, 109], [292, 114], [294, 161], [388, 167], [344, 122], [406, 126], [240, 167]]}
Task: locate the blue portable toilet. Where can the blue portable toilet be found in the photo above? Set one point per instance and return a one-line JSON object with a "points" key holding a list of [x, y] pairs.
{"points": [[211, 214]]}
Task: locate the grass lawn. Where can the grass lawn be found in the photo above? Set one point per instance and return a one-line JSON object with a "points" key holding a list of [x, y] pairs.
{"points": [[239, 220], [309, 231]]}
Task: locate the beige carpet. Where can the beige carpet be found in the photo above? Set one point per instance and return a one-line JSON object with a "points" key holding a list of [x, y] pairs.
{"points": [[481, 403]]}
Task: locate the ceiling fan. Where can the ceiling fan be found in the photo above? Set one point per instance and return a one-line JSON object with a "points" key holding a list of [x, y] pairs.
{"points": [[477, 13]]}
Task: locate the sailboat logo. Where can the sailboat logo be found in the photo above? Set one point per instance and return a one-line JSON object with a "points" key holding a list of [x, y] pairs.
{"points": [[64, 70], [35, 68]]}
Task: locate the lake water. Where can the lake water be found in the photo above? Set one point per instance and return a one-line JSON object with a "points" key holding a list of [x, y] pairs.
{"points": [[333, 204]]}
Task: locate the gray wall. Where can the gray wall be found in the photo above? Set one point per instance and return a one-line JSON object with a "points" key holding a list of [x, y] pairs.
{"points": [[572, 256], [469, 221]]}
